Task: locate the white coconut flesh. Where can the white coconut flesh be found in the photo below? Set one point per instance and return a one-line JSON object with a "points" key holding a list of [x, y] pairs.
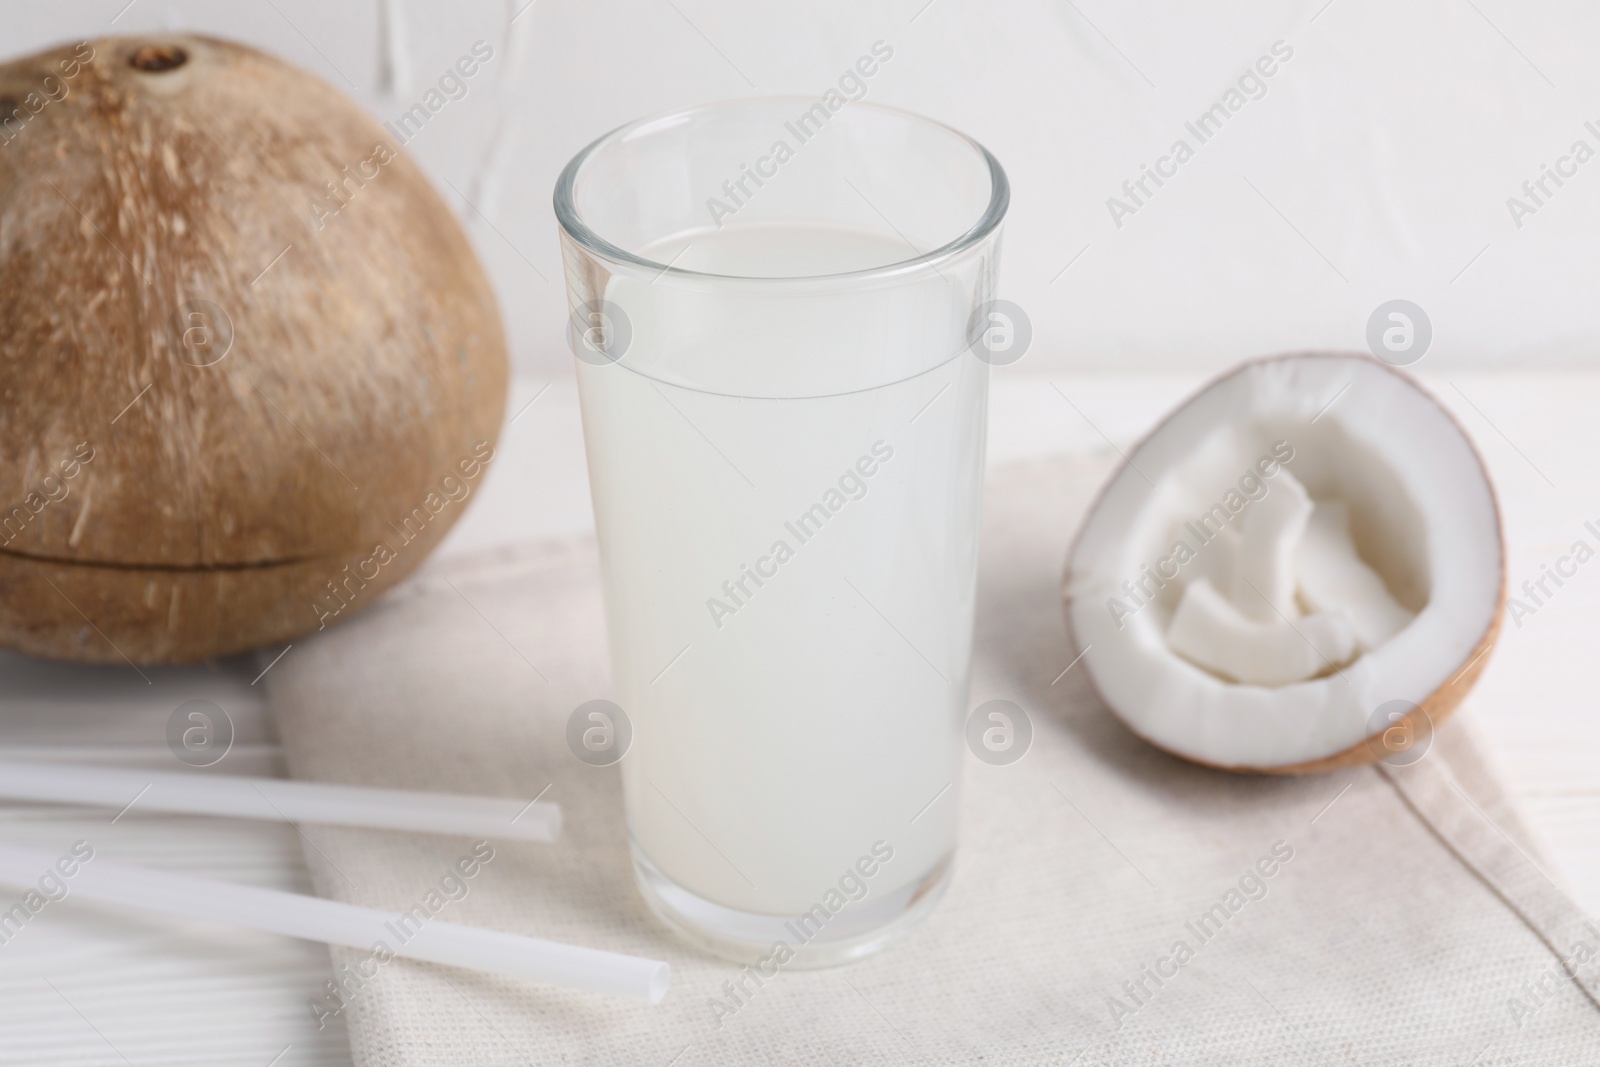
{"points": [[1303, 542]]}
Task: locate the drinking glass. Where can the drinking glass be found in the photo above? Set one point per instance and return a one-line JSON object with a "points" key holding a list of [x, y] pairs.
{"points": [[774, 307]]}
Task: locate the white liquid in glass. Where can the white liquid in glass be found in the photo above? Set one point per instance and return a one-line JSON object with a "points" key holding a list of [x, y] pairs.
{"points": [[789, 582]]}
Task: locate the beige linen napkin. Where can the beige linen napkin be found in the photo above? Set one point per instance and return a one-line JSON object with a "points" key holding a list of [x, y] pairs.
{"points": [[1408, 917]]}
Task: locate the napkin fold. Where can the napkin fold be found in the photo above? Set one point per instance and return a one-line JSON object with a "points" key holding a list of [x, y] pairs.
{"points": [[1111, 904]]}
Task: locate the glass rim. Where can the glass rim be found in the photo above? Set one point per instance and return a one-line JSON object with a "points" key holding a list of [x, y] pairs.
{"points": [[573, 225]]}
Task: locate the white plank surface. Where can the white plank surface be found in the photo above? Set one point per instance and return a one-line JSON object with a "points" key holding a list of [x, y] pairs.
{"points": [[84, 984], [87, 985]]}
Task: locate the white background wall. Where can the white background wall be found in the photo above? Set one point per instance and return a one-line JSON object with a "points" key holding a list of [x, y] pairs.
{"points": [[1377, 165]]}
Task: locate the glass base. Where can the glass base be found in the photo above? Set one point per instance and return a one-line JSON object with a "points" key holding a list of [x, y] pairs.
{"points": [[748, 937]]}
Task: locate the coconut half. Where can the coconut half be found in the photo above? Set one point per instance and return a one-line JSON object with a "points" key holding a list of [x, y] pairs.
{"points": [[1306, 541]]}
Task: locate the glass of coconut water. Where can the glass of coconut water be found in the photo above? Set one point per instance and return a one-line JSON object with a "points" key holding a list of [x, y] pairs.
{"points": [[774, 307]]}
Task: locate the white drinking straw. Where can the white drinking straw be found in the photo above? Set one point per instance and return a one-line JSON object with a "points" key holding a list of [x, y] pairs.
{"points": [[278, 800], [334, 923]]}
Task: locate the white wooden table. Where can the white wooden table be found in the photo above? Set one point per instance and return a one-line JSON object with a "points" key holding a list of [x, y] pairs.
{"points": [[90, 985]]}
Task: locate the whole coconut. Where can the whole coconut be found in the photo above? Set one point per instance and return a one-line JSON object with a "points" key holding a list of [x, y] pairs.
{"points": [[250, 370]]}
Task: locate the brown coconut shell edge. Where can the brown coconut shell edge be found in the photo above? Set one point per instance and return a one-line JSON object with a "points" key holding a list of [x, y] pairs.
{"points": [[162, 615]]}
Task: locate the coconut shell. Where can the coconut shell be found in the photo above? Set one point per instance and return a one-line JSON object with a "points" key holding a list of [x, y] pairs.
{"points": [[1416, 727], [250, 369]]}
